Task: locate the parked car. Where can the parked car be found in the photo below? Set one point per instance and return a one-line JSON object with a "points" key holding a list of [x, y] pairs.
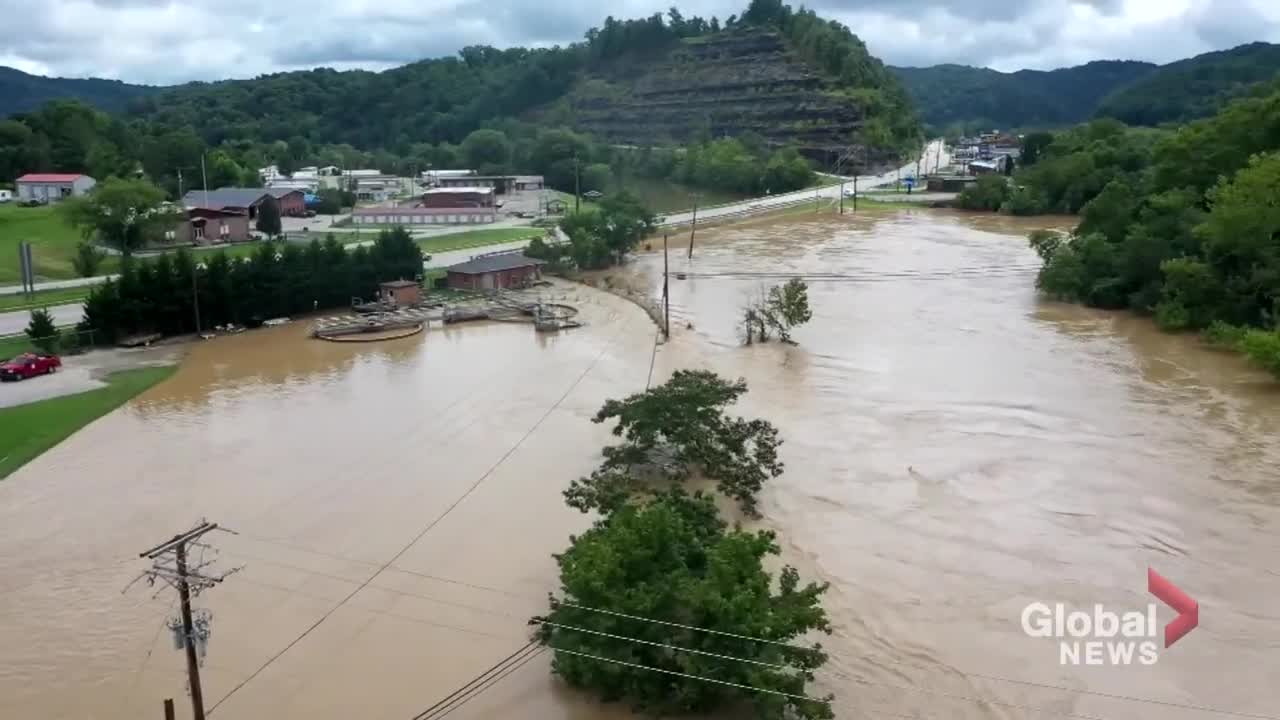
{"points": [[29, 365]]}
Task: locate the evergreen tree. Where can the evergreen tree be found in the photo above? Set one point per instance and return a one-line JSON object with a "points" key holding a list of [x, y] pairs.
{"points": [[269, 218]]}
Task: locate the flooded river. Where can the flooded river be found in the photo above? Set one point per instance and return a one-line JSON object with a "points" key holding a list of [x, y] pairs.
{"points": [[955, 449]]}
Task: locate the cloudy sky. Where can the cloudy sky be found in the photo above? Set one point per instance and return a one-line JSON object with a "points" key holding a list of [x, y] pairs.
{"points": [[166, 41]]}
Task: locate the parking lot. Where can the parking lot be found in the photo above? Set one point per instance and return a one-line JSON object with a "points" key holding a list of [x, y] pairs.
{"points": [[80, 373]]}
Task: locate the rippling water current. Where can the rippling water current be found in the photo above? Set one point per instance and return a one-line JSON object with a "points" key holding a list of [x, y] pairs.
{"points": [[955, 447]]}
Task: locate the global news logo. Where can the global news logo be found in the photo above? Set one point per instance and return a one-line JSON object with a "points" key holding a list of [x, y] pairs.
{"points": [[1107, 637]]}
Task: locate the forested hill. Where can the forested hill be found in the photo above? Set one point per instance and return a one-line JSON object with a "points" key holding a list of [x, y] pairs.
{"points": [[946, 96], [773, 71], [20, 92], [1193, 88]]}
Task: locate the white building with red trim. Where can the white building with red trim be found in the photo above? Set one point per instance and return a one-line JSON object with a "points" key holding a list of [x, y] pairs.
{"points": [[52, 187]]}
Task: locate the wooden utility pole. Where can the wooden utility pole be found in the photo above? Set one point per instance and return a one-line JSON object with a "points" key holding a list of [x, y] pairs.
{"points": [[188, 632], [855, 193], [168, 709], [842, 196], [693, 227], [189, 582], [666, 291], [577, 194]]}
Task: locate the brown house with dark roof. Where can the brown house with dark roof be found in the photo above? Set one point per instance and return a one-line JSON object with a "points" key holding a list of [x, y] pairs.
{"points": [[496, 270], [206, 226]]}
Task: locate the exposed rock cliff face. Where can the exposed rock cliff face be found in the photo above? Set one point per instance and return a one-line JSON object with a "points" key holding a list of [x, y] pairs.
{"points": [[726, 84]]}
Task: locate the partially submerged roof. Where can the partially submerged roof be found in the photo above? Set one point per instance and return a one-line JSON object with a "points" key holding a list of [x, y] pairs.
{"points": [[495, 263], [224, 197]]}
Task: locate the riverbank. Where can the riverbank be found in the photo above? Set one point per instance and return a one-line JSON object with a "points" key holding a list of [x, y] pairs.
{"points": [[28, 430]]}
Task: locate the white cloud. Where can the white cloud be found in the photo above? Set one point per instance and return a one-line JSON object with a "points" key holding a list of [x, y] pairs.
{"points": [[165, 41]]}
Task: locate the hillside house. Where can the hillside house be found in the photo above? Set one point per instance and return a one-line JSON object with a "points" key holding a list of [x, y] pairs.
{"points": [[53, 187]]}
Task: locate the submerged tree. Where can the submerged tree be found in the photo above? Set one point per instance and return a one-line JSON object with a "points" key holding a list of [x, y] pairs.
{"points": [[674, 560], [780, 310], [673, 430]]}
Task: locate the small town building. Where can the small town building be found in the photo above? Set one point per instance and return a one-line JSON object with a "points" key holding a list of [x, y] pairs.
{"points": [[246, 200], [528, 182], [949, 183], [989, 167], [400, 293], [432, 177], [458, 197], [501, 184], [496, 270], [205, 226], [292, 201], [422, 216], [376, 188], [53, 187]]}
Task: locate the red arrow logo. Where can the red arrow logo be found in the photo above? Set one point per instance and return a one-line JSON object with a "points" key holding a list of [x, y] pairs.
{"points": [[1188, 609]]}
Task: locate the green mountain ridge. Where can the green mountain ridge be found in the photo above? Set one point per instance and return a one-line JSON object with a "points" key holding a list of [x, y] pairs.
{"points": [[21, 92], [1136, 93], [947, 95], [1193, 88], [786, 76]]}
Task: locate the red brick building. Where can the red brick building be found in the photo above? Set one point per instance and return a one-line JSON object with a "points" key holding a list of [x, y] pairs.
{"points": [[293, 203], [206, 226], [497, 270], [400, 292], [458, 197]]}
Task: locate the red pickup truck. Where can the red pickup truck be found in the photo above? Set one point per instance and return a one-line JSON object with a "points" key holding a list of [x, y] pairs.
{"points": [[29, 365]]}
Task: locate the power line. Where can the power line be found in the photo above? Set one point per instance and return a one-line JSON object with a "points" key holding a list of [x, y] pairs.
{"points": [[421, 534], [494, 681], [384, 613], [472, 684], [740, 686], [676, 648], [685, 627], [985, 676]]}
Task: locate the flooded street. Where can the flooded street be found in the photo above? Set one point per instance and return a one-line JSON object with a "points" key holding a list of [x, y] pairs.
{"points": [[955, 449]]}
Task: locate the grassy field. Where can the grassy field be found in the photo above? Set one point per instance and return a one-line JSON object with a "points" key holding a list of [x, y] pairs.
{"points": [[26, 431], [53, 242], [475, 238], [44, 298]]}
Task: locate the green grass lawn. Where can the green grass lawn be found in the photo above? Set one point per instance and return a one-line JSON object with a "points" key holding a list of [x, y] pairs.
{"points": [[28, 430], [475, 238], [53, 242], [44, 298]]}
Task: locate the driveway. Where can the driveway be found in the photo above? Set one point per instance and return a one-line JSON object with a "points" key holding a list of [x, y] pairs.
{"points": [[81, 373]]}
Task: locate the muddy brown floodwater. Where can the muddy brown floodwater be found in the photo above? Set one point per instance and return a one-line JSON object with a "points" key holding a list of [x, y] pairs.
{"points": [[955, 449]]}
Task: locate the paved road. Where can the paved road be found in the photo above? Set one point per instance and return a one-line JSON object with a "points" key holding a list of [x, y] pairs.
{"points": [[15, 322], [933, 157]]}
